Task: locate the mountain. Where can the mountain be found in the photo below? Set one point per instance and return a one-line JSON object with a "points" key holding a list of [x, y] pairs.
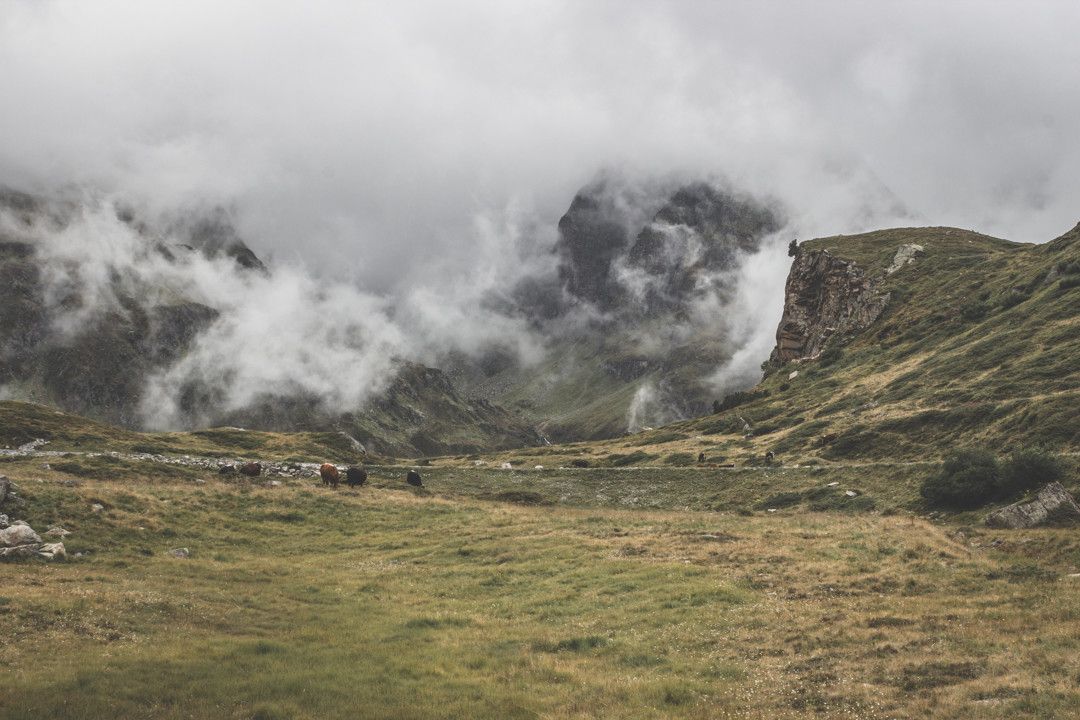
{"points": [[88, 337], [635, 321], [895, 345]]}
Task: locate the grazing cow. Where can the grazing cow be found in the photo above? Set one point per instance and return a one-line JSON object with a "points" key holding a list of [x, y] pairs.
{"points": [[701, 457], [226, 469], [413, 478], [330, 475], [251, 469], [355, 476]]}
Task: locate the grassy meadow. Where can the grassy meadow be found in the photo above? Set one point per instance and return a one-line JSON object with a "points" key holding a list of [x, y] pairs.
{"points": [[539, 594]]}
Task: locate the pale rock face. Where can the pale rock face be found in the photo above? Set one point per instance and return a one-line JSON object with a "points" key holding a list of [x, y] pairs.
{"points": [[1052, 506], [53, 551], [905, 255]]}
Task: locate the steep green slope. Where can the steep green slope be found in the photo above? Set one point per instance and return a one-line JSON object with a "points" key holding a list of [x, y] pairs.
{"points": [[979, 342], [975, 341]]}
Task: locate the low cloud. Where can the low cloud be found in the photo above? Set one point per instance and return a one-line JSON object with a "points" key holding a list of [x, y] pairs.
{"points": [[402, 168]]}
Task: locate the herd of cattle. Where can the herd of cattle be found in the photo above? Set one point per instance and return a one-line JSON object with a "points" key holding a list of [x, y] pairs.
{"points": [[354, 476]]}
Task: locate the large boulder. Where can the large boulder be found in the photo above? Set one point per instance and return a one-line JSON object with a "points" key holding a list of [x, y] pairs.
{"points": [[18, 534], [20, 541], [1052, 506]]}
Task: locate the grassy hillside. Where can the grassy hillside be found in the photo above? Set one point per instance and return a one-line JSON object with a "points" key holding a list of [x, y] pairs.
{"points": [[21, 423], [561, 595], [979, 344]]}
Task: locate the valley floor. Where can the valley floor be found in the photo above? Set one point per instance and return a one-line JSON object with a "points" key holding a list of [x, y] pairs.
{"points": [[527, 595]]}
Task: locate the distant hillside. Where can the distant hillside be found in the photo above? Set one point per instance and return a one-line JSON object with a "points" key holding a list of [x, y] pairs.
{"points": [[897, 344]]}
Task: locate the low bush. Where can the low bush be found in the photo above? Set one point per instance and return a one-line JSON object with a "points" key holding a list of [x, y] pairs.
{"points": [[968, 479], [682, 458], [620, 460], [734, 400], [830, 355], [1029, 468]]}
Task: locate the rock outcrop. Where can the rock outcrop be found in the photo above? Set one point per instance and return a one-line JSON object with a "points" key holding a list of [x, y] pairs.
{"points": [[1052, 506], [825, 296], [19, 540], [905, 255]]}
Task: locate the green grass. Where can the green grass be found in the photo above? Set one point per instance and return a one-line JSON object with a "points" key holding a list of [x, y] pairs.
{"points": [[978, 346], [303, 602]]}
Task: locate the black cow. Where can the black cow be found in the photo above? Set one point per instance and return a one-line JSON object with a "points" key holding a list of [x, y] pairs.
{"points": [[413, 478], [355, 476]]}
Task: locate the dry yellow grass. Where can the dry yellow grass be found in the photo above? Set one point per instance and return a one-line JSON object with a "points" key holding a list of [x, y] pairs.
{"points": [[303, 602]]}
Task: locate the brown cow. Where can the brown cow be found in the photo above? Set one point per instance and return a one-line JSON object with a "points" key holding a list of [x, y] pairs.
{"points": [[330, 475], [251, 469]]}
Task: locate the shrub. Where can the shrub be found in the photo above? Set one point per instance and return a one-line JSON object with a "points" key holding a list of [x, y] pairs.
{"points": [[974, 311], [619, 460], [1028, 468], [733, 400], [968, 479], [682, 458], [1013, 298], [830, 355]]}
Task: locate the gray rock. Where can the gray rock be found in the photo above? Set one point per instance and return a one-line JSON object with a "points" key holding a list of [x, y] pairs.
{"points": [[57, 532], [18, 535], [4, 522], [97, 507], [182, 553], [905, 255], [1052, 506], [52, 551]]}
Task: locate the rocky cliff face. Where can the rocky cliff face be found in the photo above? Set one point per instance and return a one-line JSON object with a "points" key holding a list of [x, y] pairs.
{"points": [[824, 297], [646, 271], [648, 251]]}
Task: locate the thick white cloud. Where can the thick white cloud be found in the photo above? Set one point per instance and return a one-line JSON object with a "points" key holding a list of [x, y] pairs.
{"points": [[367, 135], [423, 151]]}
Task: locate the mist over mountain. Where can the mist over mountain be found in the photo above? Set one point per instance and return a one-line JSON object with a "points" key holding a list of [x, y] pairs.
{"points": [[171, 321], [577, 211]]}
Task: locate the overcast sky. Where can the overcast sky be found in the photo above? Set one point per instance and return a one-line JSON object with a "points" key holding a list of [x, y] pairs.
{"points": [[371, 139]]}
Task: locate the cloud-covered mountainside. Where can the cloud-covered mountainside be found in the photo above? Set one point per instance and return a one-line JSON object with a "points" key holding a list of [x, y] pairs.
{"points": [[169, 320], [665, 296]]}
